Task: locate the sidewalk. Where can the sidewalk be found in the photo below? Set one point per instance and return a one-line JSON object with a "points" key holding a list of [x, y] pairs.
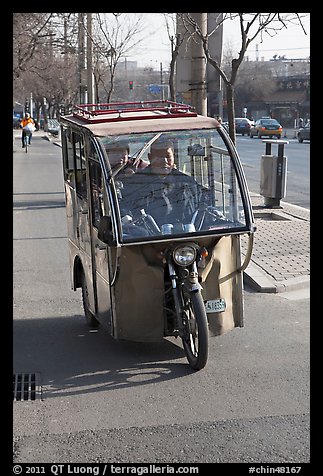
{"points": [[280, 258]]}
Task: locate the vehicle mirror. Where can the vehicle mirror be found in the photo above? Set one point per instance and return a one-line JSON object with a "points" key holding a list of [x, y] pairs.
{"points": [[105, 233]]}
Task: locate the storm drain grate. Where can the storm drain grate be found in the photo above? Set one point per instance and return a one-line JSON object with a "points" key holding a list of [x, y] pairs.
{"points": [[26, 387]]}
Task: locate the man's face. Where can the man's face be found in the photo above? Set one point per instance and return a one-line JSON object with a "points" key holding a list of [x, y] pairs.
{"points": [[161, 160], [118, 156]]}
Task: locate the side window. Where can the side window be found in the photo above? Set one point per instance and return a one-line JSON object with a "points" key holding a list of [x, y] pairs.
{"points": [[96, 192], [79, 153], [74, 160], [68, 156]]}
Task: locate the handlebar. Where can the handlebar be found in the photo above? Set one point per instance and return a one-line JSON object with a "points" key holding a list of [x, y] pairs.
{"points": [[149, 224]]}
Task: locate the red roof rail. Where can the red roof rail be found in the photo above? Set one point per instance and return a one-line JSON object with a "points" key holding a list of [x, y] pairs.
{"points": [[93, 113]]}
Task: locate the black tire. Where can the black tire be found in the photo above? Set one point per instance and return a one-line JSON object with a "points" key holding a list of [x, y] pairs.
{"points": [[196, 333], [89, 317]]}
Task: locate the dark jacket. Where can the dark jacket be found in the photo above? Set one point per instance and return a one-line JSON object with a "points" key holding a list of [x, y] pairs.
{"points": [[171, 198]]}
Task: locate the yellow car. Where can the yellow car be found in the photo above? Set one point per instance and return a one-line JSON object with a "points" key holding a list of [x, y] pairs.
{"points": [[266, 127]]}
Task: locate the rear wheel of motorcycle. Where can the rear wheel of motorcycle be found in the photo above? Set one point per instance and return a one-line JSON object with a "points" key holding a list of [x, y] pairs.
{"points": [[89, 317], [196, 334]]}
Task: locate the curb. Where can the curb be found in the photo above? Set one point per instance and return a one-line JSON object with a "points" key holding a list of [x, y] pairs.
{"points": [[255, 274], [262, 282]]}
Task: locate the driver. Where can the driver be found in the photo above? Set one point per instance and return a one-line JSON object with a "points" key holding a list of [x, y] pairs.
{"points": [[164, 192]]}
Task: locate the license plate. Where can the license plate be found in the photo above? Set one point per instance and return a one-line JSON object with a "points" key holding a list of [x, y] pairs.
{"points": [[215, 305]]}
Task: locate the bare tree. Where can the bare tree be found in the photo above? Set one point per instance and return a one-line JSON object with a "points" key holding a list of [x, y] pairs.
{"points": [[45, 62], [176, 40], [115, 36], [29, 32], [252, 25], [255, 82]]}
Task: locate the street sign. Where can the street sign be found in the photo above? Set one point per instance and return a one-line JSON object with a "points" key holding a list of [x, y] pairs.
{"points": [[154, 88]]}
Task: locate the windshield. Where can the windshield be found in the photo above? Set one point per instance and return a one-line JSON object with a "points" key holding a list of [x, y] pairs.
{"points": [[173, 182], [269, 122]]}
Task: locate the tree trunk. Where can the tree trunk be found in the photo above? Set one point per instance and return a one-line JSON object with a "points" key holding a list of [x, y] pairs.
{"points": [[172, 77], [231, 115]]}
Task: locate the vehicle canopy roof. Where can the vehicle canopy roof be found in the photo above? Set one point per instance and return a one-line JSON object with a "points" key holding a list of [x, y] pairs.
{"points": [[114, 120]]}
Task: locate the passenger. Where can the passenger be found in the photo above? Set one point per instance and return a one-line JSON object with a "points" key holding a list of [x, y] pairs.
{"points": [[118, 154]]}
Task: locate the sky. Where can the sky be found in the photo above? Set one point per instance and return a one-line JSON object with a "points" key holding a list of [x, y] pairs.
{"points": [[291, 42]]}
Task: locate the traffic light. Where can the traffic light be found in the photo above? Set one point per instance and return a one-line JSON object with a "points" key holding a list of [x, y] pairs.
{"points": [[130, 84], [27, 106]]}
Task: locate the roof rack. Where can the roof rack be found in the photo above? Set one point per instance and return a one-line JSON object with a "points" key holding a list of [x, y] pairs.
{"points": [[122, 111]]}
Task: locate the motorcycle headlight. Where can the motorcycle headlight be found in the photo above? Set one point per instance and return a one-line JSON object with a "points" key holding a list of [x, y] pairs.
{"points": [[184, 255]]}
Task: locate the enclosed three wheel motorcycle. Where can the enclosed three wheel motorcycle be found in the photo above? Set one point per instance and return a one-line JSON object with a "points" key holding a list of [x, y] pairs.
{"points": [[156, 253]]}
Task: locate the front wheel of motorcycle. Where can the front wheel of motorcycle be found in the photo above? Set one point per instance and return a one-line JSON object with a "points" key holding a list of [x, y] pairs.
{"points": [[195, 326]]}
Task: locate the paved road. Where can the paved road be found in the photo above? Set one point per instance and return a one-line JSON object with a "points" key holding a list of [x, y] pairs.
{"points": [[105, 401], [298, 167]]}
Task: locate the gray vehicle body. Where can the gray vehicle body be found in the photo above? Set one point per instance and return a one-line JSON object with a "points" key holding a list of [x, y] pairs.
{"points": [[125, 278]]}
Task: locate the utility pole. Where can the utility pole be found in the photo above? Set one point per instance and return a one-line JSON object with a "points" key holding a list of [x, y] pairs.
{"points": [[89, 68], [196, 80], [198, 67], [214, 80], [31, 105], [81, 57], [65, 72], [161, 82], [191, 85]]}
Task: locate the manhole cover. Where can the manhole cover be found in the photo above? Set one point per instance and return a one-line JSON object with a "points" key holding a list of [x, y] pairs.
{"points": [[26, 387]]}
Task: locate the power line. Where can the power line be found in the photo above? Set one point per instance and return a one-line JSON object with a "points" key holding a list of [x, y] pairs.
{"points": [[279, 49]]}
